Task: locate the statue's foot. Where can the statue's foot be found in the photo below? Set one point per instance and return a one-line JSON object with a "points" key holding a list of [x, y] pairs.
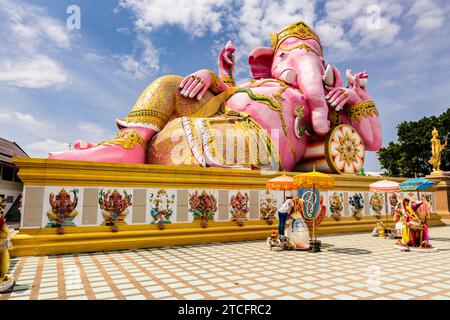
{"points": [[129, 146], [103, 153]]}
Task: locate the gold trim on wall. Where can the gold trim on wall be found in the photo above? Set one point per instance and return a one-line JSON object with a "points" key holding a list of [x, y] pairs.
{"points": [[50, 172]]}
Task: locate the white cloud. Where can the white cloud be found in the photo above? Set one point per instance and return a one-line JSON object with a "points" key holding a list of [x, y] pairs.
{"points": [[35, 72], [92, 56], [4, 116], [28, 36], [28, 124], [42, 148], [369, 38], [257, 19], [123, 30], [427, 15], [145, 64], [93, 130], [27, 118], [194, 16]]}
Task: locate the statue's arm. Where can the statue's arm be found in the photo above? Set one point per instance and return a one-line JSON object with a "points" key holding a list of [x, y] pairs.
{"points": [[196, 84]]}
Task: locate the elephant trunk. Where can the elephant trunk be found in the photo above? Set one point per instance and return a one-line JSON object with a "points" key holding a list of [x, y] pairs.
{"points": [[310, 71]]}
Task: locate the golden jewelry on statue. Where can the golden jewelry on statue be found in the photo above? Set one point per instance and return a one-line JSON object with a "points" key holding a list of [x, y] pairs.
{"points": [[215, 83], [300, 46], [299, 30], [274, 104], [362, 109], [143, 115], [155, 105], [229, 81], [436, 151], [126, 139]]}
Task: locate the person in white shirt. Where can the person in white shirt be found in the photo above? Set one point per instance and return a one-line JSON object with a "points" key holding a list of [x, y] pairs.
{"points": [[283, 213]]}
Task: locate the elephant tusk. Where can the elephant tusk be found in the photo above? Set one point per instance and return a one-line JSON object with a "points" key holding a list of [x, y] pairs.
{"points": [[328, 76], [289, 76]]}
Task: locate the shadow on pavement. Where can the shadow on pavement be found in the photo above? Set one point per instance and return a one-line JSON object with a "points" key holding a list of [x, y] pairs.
{"points": [[350, 251]]}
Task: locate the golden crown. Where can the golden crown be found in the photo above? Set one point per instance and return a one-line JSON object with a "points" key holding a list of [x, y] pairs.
{"points": [[299, 30]]}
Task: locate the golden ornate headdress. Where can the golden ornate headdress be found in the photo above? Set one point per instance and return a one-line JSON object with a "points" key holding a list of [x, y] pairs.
{"points": [[299, 30]]}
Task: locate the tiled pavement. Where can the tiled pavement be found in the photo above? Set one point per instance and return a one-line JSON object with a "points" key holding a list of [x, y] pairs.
{"points": [[352, 266]]}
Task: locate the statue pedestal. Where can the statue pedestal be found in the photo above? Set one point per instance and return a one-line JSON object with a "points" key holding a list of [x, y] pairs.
{"points": [[442, 194], [86, 187]]}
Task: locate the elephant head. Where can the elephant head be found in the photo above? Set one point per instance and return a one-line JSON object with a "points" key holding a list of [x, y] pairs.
{"points": [[296, 58]]}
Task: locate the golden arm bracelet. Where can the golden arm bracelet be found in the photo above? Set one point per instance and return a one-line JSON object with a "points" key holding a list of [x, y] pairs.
{"points": [[362, 109], [229, 81], [216, 85], [126, 139]]}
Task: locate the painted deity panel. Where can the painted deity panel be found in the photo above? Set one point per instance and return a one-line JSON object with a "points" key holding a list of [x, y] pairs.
{"points": [[62, 207], [203, 205], [269, 202], [115, 206], [161, 206], [336, 205], [394, 200], [356, 204], [239, 205], [377, 204]]}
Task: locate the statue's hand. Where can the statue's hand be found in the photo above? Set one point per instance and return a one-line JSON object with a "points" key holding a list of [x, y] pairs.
{"points": [[339, 97], [226, 60], [196, 84]]}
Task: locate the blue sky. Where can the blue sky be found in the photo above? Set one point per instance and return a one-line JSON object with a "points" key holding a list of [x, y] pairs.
{"points": [[58, 85]]}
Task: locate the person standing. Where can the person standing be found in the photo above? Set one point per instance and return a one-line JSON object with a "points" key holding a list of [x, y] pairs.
{"points": [[283, 213]]}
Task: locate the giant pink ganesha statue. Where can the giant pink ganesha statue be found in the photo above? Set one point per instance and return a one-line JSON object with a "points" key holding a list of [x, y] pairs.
{"points": [[295, 105]]}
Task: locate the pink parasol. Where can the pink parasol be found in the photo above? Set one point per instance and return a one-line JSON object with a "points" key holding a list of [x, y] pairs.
{"points": [[385, 186]]}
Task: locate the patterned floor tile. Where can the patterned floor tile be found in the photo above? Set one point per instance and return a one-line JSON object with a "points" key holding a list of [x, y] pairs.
{"points": [[379, 272]]}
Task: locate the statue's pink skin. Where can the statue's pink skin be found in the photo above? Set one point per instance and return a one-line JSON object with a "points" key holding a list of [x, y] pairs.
{"points": [[226, 60], [308, 68], [111, 153], [270, 120], [369, 128], [306, 71]]}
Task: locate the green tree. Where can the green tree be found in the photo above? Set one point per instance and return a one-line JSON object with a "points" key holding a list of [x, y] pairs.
{"points": [[410, 154]]}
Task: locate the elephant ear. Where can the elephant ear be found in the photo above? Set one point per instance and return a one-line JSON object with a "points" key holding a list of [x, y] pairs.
{"points": [[260, 61]]}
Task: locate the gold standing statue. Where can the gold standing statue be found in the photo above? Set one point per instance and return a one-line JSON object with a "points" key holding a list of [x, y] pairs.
{"points": [[6, 281], [436, 151]]}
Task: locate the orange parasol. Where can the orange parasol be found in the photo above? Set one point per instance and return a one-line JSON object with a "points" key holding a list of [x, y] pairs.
{"points": [[281, 183]]}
